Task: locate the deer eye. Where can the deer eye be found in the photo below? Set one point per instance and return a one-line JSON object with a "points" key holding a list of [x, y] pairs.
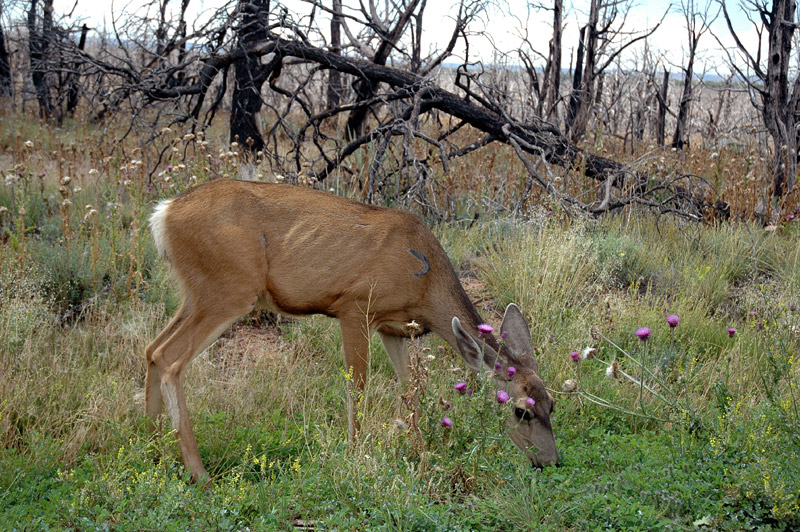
{"points": [[522, 413]]}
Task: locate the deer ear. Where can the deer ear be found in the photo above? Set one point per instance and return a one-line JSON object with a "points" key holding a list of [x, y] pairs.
{"points": [[470, 351], [517, 336]]}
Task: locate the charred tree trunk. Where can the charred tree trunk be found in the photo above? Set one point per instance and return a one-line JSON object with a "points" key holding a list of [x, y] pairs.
{"points": [[38, 44], [780, 101], [661, 122], [249, 76], [334, 76], [585, 92], [577, 80], [364, 88], [5, 64], [554, 88], [72, 82], [680, 138]]}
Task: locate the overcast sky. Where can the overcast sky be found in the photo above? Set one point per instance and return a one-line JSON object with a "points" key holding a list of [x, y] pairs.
{"points": [[505, 28]]}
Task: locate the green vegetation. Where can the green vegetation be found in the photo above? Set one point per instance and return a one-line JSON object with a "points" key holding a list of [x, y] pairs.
{"points": [[712, 446]]}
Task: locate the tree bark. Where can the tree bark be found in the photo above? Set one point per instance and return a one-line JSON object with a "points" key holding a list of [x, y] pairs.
{"points": [[72, 82], [554, 89], [248, 77], [680, 138], [335, 88], [5, 64], [38, 43], [365, 89], [781, 101], [661, 122]]}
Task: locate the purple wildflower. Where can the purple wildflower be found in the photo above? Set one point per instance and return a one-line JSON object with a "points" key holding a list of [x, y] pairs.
{"points": [[530, 401], [504, 335], [461, 387], [446, 422], [497, 366], [576, 357], [484, 329], [731, 332], [511, 372], [643, 333], [502, 396], [673, 320]]}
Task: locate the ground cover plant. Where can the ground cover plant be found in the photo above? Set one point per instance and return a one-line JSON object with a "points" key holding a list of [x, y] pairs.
{"points": [[690, 424]]}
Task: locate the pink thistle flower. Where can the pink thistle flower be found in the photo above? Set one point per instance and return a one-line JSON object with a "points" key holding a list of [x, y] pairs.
{"points": [[643, 333], [461, 387], [511, 372], [530, 401], [502, 396], [484, 329], [446, 422], [731, 332], [576, 357], [673, 320], [497, 366], [504, 335], [447, 406]]}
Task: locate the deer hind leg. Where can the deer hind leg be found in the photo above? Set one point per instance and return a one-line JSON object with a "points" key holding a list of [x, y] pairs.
{"points": [[196, 331], [152, 387], [355, 343]]}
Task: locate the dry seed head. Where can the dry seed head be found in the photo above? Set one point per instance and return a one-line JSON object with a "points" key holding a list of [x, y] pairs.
{"points": [[413, 327], [612, 371], [66, 180], [570, 385]]}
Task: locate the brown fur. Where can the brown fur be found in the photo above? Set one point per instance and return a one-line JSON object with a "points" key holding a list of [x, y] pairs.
{"points": [[236, 245]]}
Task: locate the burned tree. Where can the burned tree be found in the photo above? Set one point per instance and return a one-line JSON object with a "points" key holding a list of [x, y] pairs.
{"points": [[598, 48], [698, 21], [249, 76], [767, 76], [5, 63]]}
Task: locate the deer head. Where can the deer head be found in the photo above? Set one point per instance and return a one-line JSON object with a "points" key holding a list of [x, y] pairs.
{"points": [[529, 405]]}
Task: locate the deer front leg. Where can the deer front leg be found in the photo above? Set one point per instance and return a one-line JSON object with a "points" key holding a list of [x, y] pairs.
{"points": [[398, 353], [355, 343]]}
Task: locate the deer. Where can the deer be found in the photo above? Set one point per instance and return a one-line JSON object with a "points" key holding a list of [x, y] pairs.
{"points": [[234, 246]]}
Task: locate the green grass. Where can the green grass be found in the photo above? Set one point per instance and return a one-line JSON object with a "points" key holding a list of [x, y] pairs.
{"points": [[714, 448]]}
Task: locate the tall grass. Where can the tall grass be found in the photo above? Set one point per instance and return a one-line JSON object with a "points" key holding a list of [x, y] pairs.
{"points": [[81, 295]]}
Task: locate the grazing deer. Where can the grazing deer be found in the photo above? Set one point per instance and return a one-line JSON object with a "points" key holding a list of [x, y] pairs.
{"points": [[237, 245]]}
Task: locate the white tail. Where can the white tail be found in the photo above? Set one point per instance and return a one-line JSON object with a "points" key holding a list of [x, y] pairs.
{"points": [[236, 245]]}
